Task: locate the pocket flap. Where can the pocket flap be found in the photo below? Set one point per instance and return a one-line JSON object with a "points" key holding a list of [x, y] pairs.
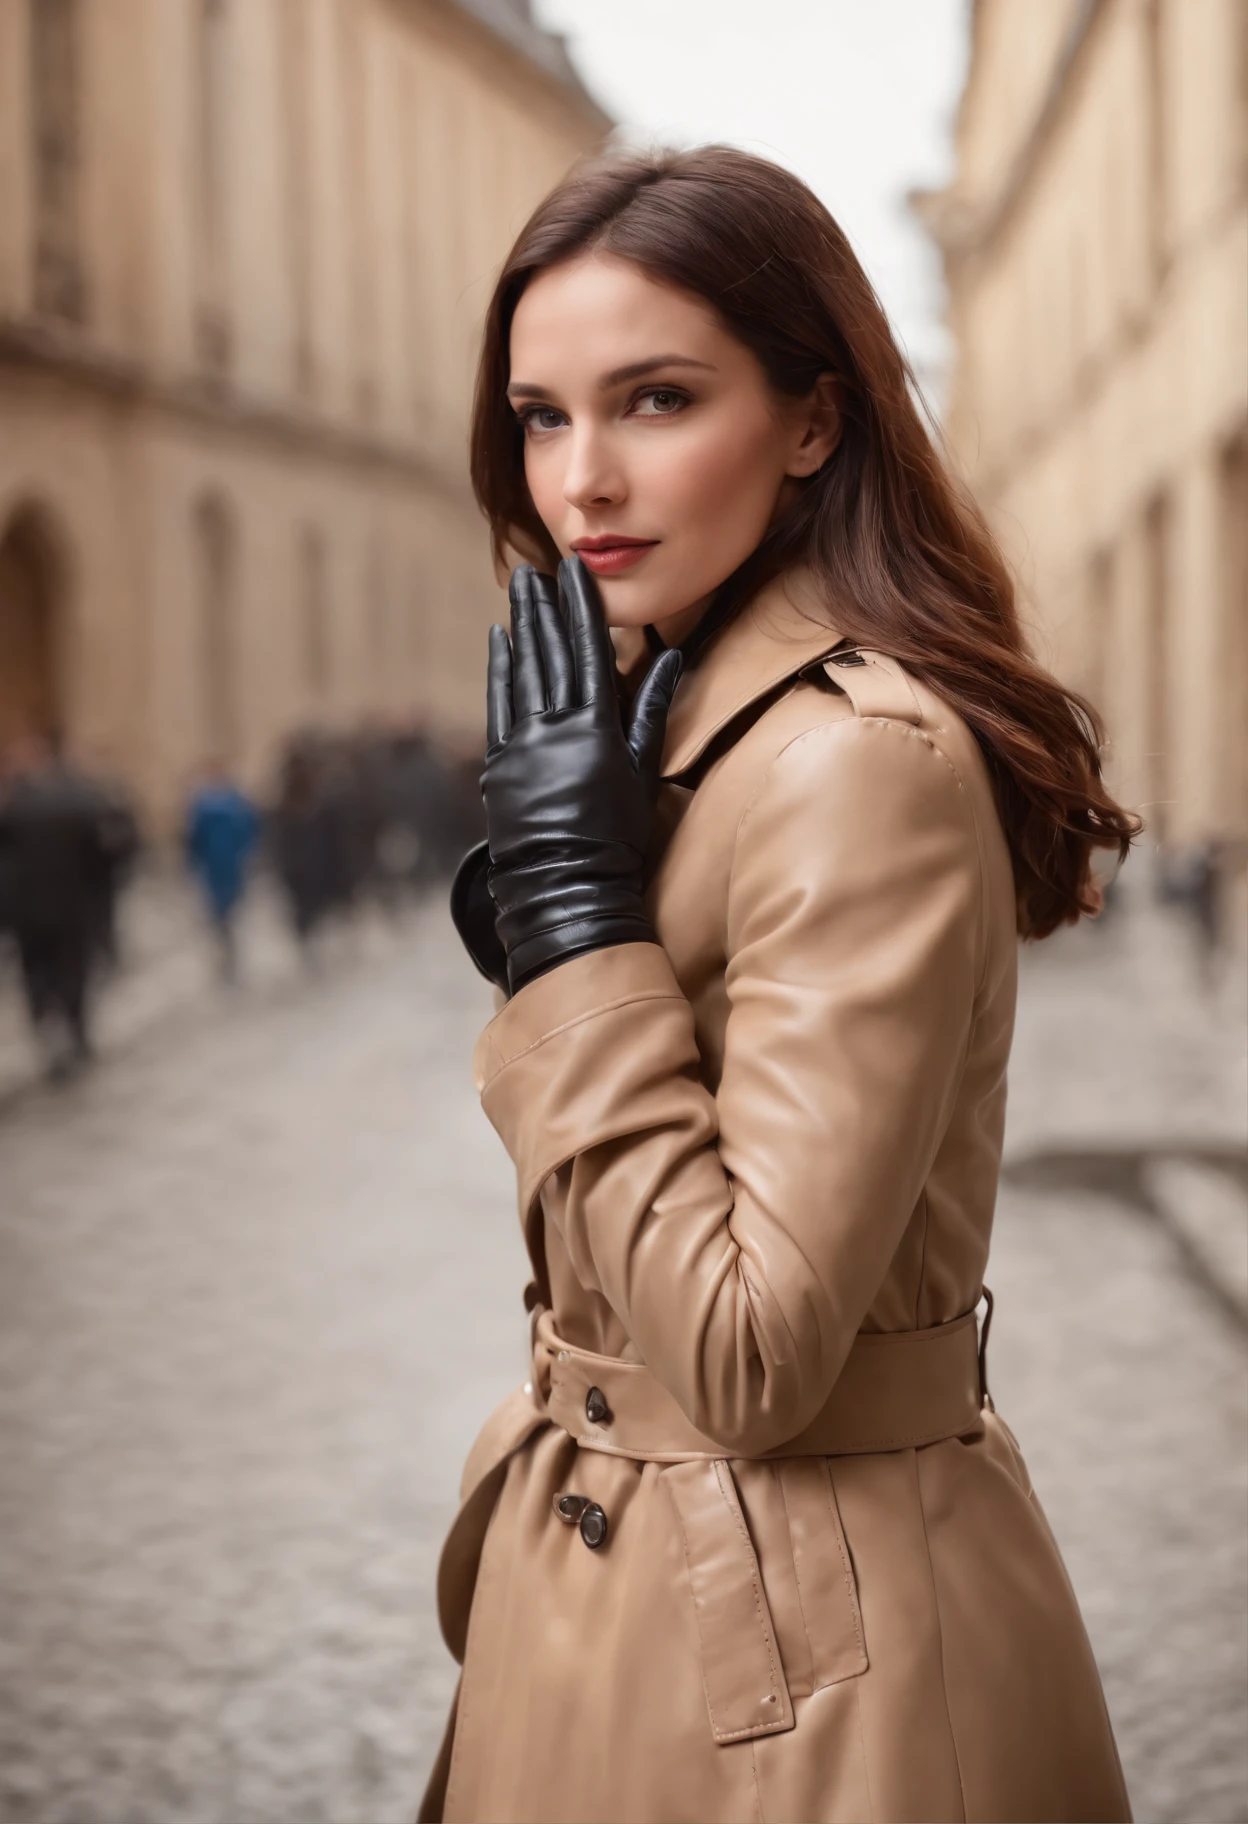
{"points": [[746, 1692]]}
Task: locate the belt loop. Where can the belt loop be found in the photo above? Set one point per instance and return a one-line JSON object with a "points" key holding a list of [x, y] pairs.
{"points": [[985, 1398]]}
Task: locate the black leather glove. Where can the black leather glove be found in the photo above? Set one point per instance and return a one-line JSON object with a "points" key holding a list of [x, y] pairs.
{"points": [[569, 794], [474, 915]]}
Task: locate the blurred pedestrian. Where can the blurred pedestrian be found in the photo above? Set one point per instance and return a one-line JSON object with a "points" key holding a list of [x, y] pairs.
{"points": [[1193, 880], [410, 844], [434, 810], [222, 827], [121, 842], [369, 760], [342, 823], [59, 869], [303, 838]]}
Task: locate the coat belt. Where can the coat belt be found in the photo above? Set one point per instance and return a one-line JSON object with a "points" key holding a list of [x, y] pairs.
{"points": [[898, 1390]]}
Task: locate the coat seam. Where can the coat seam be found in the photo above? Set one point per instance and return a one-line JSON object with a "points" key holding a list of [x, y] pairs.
{"points": [[940, 1633], [862, 1744], [927, 1225], [918, 734], [758, 1793], [580, 1019], [693, 1603], [735, 1515], [844, 722], [797, 1575], [851, 1592], [748, 1730]]}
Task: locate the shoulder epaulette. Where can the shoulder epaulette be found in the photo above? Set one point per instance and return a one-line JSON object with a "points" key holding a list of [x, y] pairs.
{"points": [[875, 684]]}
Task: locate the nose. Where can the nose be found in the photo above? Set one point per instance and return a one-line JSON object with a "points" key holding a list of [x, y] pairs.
{"points": [[593, 477]]}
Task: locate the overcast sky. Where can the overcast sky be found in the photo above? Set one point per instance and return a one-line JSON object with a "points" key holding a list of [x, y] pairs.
{"points": [[856, 96]]}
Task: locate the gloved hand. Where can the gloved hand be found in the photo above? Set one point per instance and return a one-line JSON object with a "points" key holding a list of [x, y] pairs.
{"points": [[474, 915], [569, 795]]}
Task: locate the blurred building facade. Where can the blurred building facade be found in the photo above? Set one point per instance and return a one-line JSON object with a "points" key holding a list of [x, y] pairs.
{"points": [[1095, 240], [244, 250]]}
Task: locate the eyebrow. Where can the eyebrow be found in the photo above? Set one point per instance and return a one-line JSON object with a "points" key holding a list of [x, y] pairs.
{"points": [[636, 370]]}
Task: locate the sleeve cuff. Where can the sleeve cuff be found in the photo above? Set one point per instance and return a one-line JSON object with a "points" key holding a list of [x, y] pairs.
{"points": [[580, 989]]}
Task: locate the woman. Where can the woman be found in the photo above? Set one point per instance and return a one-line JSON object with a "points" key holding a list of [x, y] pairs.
{"points": [[752, 1542]]}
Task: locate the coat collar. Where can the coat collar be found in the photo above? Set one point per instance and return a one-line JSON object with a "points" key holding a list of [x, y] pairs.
{"points": [[776, 635]]}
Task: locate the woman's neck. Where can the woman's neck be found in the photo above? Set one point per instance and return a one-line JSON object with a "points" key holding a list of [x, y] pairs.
{"points": [[674, 629]]}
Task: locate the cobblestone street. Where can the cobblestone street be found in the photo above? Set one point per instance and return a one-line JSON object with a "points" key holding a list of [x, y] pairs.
{"points": [[260, 1280]]}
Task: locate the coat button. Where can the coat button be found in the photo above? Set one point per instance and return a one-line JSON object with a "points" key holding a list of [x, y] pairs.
{"points": [[570, 1507], [596, 1409], [594, 1526]]}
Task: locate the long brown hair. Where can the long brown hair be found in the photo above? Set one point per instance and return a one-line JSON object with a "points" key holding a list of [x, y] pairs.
{"points": [[900, 548]]}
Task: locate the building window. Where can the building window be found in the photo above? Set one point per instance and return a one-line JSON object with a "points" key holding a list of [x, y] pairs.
{"points": [[416, 614], [31, 613], [378, 624], [299, 149], [1158, 640], [1098, 629], [314, 614], [54, 52], [1156, 126], [212, 96], [1233, 641], [217, 629]]}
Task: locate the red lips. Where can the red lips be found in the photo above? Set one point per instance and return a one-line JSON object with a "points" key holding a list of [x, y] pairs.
{"points": [[611, 553]]}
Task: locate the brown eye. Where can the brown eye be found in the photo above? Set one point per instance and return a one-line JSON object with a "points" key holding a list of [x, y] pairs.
{"points": [[660, 402]]}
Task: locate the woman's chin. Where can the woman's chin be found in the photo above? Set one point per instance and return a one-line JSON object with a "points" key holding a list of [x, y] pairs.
{"points": [[629, 602]]}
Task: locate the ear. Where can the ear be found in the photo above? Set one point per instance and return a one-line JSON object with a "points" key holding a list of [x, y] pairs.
{"points": [[818, 427]]}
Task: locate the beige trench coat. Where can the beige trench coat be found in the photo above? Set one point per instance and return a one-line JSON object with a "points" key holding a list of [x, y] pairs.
{"points": [[757, 1165]]}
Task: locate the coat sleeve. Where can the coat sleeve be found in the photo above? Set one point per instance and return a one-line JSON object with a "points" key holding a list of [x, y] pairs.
{"points": [[741, 1236]]}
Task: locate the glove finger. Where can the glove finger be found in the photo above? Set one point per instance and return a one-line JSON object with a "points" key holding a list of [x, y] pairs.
{"points": [[498, 689], [649, 721], [528, 687], [591, 643], [552, 635]]}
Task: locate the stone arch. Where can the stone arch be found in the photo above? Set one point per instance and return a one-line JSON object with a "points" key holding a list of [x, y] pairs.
{"points": [[34, 586], [216, 629]]}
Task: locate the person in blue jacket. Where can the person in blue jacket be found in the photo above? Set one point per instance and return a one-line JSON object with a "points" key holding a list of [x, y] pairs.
{"points": [[222, 828]]}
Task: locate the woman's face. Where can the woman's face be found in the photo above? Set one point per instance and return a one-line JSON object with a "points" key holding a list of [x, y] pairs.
{"points": [[654, 445]]}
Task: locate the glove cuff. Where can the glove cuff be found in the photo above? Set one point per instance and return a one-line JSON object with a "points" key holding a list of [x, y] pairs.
{"points": [[474, 915]]}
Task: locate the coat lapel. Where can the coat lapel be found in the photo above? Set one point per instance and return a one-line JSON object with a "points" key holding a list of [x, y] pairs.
{"points": [[782, 631]]}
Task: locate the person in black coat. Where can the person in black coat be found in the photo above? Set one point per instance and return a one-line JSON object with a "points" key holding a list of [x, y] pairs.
{"points": [[58, 865]]}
